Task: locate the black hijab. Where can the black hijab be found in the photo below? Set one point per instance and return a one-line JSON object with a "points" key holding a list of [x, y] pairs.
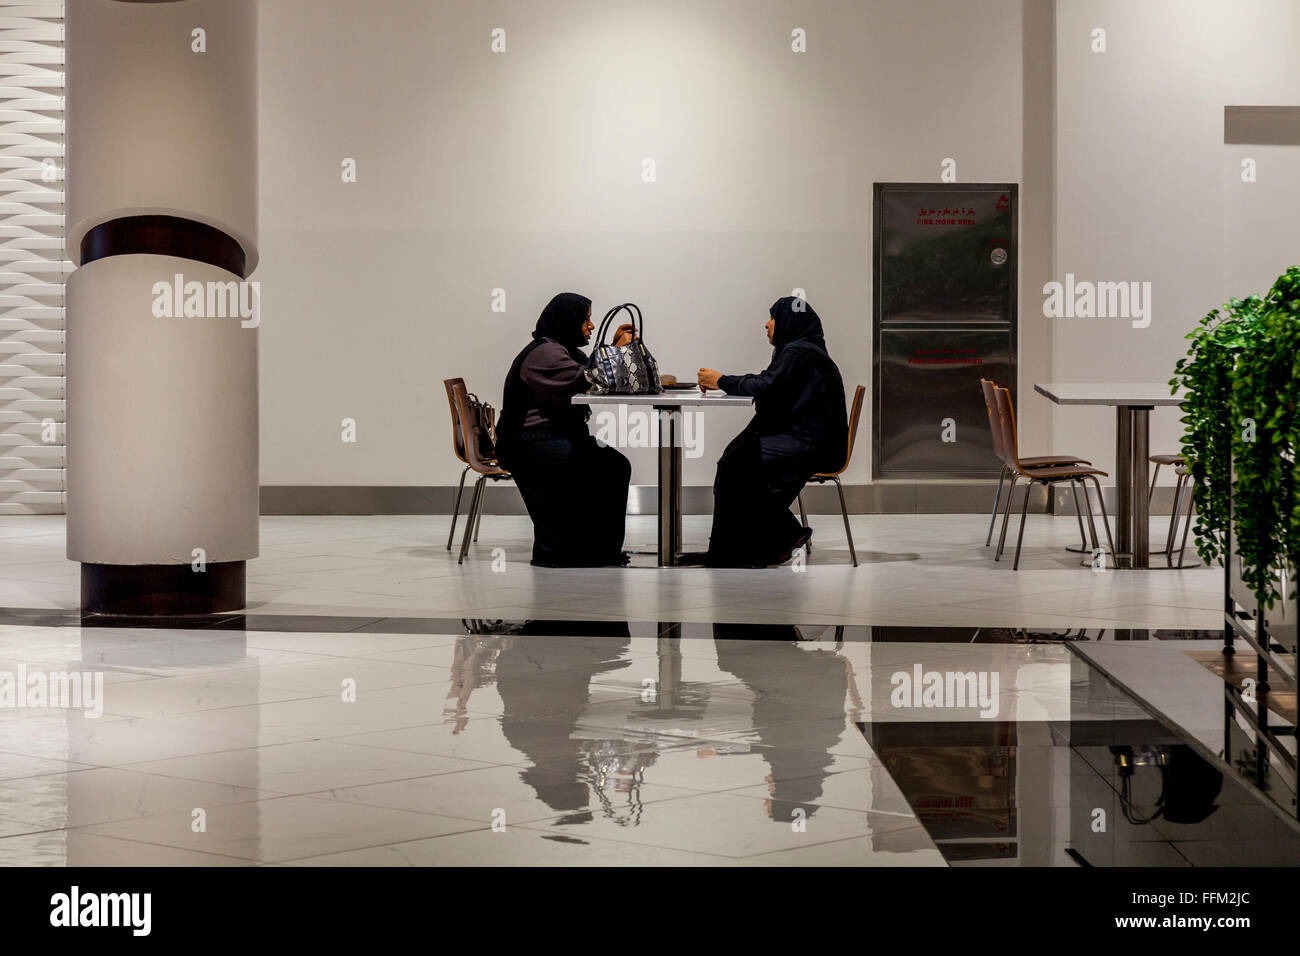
{"points": [[562, 321], [796, 323], [805, 403]]}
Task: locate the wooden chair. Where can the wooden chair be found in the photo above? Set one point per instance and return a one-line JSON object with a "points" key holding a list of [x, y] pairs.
{"points": [[1041, 461], [458, 449], [1045, 475], [855, 415], [466, 449]]}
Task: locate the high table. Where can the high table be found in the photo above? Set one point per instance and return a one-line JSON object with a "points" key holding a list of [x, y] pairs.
{"points": [[1133, 404], [668, 406]]}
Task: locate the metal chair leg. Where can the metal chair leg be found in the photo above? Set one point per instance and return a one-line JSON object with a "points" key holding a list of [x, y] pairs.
{"points": [[1006, 516], [1078, 516], [1092, 524], [469, 518], [848, 532], [455, 512], [997, 499], [1105, 521], [1191, 507], [478, 522], [1174, 515], [803, 520], [1152, 490], [1024, 510]]}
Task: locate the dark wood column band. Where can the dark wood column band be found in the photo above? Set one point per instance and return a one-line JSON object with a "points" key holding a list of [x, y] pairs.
{"points": [[164, 236], [154, 589]]}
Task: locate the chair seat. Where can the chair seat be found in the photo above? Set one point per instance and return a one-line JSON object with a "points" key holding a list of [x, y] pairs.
{"points": [[1166, 459], [1040, 460], [1062, 471]]}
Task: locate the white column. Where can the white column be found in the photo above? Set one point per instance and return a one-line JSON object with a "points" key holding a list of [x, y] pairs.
{"points": [[162, 409]]}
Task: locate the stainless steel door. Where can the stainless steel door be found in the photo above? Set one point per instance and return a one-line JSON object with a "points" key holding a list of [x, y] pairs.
{"points": [[944, 317], [932, 406]]}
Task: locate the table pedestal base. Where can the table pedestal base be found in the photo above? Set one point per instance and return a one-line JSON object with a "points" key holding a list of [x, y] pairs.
{"points": [[1132, 531], [670, 485]]}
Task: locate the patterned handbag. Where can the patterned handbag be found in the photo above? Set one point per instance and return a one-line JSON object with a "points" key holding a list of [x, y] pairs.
{"points": [[623, 369], [483, 427]]}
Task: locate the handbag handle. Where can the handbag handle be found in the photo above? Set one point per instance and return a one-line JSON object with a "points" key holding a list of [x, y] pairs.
{"points": [[633, 310]]}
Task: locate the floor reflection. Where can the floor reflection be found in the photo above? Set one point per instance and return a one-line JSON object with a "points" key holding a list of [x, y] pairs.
{"points": [[536, 743], [567, 769], [788, 684]]}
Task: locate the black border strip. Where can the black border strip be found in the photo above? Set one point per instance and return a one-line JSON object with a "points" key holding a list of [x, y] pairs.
{"points": [[164, 236]]}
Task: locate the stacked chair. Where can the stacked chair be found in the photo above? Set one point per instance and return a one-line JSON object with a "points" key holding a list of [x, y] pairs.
{"points": [[1046, 470]]}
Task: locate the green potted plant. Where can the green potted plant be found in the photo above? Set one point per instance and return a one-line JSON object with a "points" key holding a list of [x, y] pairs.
{"points": [[1241, 411]]}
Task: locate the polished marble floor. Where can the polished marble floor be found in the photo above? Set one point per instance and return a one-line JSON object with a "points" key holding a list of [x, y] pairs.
{"points": [[916, 569], [379, 705], [552, 742]]}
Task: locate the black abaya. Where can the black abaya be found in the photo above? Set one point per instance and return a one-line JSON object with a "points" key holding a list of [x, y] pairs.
{"points": [[575, 490], [800, 427]]}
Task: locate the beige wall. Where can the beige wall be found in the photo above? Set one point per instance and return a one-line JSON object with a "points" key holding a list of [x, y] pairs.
{"points": [[522, 171], [1146, 189]]}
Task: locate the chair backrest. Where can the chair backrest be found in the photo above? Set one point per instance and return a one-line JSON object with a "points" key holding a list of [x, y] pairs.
{"points": [[457, 435], [1007, 419], [855, 416], [995, 424], [460, 403]]}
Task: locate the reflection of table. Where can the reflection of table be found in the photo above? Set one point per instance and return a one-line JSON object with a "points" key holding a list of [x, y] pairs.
{"points": [[1133, 404], [668, 406]]}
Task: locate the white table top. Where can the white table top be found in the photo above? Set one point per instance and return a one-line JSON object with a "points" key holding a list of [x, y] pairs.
{"points": [[675, 398], [1142, 393]]}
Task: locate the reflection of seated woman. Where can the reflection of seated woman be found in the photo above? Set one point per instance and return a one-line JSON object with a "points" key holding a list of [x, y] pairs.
{"points": [[800, 427], [798, 706], [574, 489], [548, 669]]}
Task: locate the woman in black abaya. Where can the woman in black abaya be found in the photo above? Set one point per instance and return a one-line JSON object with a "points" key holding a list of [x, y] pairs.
{"points": [[574, 489], [800, 427]]}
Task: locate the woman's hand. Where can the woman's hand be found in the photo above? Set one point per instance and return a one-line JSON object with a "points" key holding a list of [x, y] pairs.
{"points": [[624, 334], [708, 378]]}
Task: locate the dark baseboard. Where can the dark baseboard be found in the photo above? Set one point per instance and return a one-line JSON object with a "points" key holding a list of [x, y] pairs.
{"points": [[956, 497], [148, 590], [882, 497]]}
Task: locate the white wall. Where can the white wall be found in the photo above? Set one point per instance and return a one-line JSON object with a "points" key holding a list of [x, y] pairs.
{"points": [[1146, 189], [522, 171]]}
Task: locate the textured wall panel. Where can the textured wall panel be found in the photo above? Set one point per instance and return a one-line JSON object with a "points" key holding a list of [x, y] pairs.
{"points": [[33, 264]]}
